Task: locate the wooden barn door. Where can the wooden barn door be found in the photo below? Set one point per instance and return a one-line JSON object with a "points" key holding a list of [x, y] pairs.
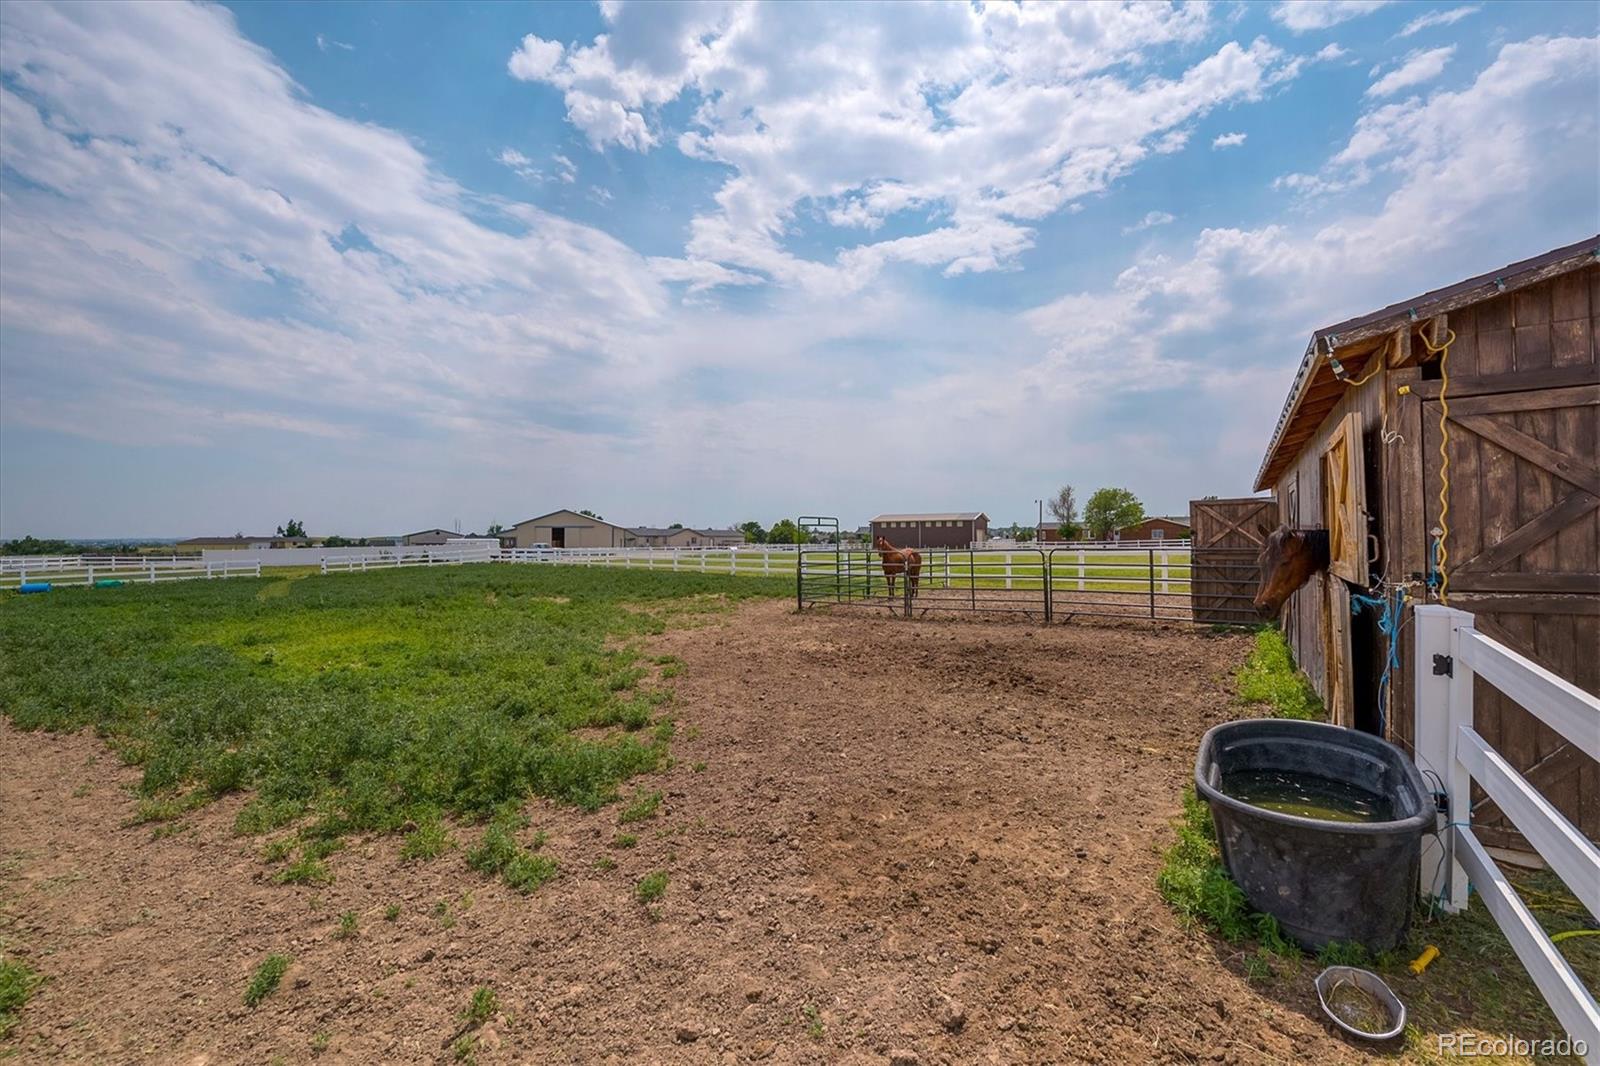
{"points": [[1524, 557], [1226, 539]]}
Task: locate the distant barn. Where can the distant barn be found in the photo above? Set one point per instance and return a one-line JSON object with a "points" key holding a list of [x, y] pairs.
{"points": [[961, 529]]}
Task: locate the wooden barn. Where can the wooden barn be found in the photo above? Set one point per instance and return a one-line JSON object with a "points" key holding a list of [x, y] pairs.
{"points": [[1502, 369]]}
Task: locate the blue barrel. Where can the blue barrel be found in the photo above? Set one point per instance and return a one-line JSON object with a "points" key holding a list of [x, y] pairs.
{"points": [[34, 586]]}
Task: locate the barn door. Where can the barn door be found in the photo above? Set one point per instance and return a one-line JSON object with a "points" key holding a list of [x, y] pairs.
{"points": [[1344, 502], [1523, 554], [1226, 538]]}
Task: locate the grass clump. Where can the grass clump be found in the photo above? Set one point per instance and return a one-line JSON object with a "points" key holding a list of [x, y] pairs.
{"points": [[641, 806], [1196, 885], [428, 840], [349, 926], [391, 912], [651, 887], [482, 1006], [499, 853], [265, 980], [1269, 677], [17, 982]]}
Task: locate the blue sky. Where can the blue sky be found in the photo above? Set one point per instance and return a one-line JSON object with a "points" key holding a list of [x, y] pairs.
{"points": [[385, 267]]}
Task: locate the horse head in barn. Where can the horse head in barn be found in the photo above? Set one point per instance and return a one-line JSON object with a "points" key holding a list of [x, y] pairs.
{"points": [[1287, 559]]}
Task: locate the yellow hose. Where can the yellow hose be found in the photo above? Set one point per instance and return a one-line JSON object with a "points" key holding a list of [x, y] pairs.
{"points": [[1443, 352]]}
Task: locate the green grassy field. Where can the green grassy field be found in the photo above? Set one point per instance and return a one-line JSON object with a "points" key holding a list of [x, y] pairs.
{"points": [[361, 702]]}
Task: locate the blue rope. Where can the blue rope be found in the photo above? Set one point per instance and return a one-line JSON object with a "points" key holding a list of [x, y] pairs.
{"points": [[1392, 609]]}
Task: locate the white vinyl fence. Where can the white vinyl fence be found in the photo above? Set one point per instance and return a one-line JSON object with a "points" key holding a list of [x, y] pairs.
{"points": [[123, 570], [1450, 653], [388, 559]]}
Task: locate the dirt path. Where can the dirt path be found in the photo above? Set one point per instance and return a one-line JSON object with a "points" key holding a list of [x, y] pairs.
{"points": [[934, 841]]}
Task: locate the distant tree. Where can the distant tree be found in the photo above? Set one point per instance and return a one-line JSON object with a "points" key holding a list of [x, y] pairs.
{"points": [[336, 541], [1109, 510], [31, 545], [753, 532], [591, 514], [1021, 533], [676, 525], [495, 529], [292, 528], [785, 531], [1064, 507]]}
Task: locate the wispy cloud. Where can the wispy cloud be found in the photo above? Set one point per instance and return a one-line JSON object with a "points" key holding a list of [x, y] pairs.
{"points": [[1303, 16], [324, 43], [1448, 17], [1150, 221], [1415, 69], [1229, 140]]}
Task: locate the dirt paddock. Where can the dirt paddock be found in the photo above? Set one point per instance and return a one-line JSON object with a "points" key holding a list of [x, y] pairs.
{"points": [[932, 842]]}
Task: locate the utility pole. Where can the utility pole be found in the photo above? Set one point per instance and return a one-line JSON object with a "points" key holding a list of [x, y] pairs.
{"points": [[1040, 527]]}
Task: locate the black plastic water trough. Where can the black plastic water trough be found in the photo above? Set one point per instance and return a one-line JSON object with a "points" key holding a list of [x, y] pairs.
{"points": [[1323, 880]]}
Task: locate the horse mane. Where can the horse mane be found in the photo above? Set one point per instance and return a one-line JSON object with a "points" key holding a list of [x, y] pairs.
{"points": [[1317, 541]]}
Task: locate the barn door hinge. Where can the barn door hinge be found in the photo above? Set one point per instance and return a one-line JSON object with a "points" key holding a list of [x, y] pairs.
{"points": [[1443, 666]]}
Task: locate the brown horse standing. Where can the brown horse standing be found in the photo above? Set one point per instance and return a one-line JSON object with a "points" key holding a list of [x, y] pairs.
{"points": [[897, 561]]}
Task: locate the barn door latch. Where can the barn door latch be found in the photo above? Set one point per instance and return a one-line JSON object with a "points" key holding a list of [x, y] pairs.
{"points": [[1443, 666]]}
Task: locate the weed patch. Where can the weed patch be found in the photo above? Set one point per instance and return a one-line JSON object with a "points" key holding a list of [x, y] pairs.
{"points": [[651, 887], [428, 840], [17, 982], [387, 700], [265, 980], [643, 805], [1269, 677]]}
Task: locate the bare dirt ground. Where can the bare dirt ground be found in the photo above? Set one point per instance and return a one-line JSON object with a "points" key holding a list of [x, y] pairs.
{"points": [[886, 841]]}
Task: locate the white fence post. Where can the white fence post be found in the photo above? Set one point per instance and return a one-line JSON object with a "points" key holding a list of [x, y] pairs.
{"points": [[1164, 572], [1080, 569], [1439, 712]]}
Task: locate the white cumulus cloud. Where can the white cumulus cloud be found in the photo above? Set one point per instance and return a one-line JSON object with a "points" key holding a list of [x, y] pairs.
{"points": [[1229, 140]]}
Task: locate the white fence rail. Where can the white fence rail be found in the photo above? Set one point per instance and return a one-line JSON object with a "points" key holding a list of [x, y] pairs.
{"points": [[39, 564], [125, 570], [389, 560], [1450, 653]]}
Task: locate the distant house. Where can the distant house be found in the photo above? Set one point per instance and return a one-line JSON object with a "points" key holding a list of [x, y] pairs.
{"points": [[1156, 528], [722, 538], [1050, 531], [683, 537], [430, 537], [244, 543], [955, 529], [565, 529]]}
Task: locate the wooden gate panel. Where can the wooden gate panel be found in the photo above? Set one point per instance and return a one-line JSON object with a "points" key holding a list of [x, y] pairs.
{"points": [[1225, 541]]}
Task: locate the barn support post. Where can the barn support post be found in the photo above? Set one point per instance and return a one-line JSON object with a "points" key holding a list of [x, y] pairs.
{"points": [[1443, 687]]}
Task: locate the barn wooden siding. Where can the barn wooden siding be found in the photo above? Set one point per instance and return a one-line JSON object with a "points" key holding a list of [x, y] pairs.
{"points": [[1524, 542]]}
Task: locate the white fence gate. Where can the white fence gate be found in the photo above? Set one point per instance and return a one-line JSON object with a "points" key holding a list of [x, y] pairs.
{"points": [[1450, 653]]}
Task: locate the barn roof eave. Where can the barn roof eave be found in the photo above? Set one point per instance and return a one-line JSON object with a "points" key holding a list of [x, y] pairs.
{"points": [[1439, 301]]}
